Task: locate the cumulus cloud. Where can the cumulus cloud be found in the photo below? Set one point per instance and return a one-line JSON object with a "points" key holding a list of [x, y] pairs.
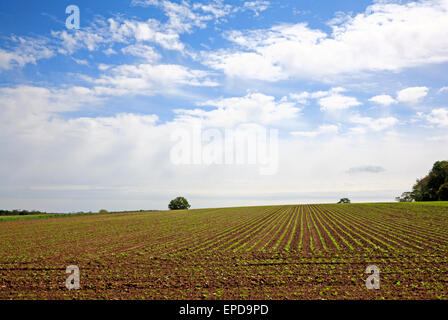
{"points": [[181, 18], [108, 32], [143, 51], [24, 51], [301, 98], [115, 154], [252, 108], [109, 52], [244, 64], [151, 30], [67, 150], [123, 161], [412, 94], [321, 130], [386, 37], [31, 101], [378, 124], [331, 100], [84, 39], [438, 117], [337, 102], [383, 99], [148, 79]]}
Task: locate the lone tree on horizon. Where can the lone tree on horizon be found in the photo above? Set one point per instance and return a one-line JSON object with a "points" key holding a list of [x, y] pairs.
{"points": [[344, 200], [180, 203]]}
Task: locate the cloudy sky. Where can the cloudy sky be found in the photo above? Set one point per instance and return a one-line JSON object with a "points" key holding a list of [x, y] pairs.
{"points": [[356, 91]]}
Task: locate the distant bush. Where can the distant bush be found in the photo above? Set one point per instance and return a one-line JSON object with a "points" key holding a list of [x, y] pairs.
{"points": [[180, 203], [19, 212], [405, 197], [103, 211], [344, 200]]}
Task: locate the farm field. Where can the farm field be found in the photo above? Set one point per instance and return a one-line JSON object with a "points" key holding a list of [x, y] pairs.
{"points": [[11, 218], [270, 252]]}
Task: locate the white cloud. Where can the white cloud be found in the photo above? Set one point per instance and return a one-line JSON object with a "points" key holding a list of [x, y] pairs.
{"points": [[323, 129], [383, 99], [183, 17], [150, 31], [438, 117], [81, 62], [24, 51], [331, 100], [246, 64], [143, 51], [109, 52], [375, 124], [117, 30], [82, 39], [256, 6], [412, 95], [148, 79], [103, 67], [81, 144], [387, 37], [24, 106], [122, 161], [301, 98], [218, 9], [443, 89], [252, 108], [337, 102], [18, 99], [144, 3]]}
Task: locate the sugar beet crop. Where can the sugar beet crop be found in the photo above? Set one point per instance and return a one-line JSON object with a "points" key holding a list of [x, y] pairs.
{"points": [[272, 252]]}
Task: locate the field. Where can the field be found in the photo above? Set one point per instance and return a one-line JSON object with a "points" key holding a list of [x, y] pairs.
{"points": [[272, 252]]}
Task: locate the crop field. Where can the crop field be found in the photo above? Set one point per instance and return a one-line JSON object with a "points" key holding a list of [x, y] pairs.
{"points": [[271, 252]]}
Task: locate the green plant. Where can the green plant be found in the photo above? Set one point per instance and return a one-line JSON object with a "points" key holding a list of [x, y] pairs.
{"points": [[180, 203]]}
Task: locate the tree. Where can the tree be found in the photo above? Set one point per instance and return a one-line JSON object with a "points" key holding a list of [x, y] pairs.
{"points": [[405, 197], [344, 200], [420, 190], [180, 203], [443, 192], [432, 187]]}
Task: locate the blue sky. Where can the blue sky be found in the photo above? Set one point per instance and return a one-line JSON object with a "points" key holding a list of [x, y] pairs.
{"points": [[357, 91]]}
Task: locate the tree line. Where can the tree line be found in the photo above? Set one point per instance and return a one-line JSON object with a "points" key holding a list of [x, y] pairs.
{"points": [[433, 187], [19, 212]]}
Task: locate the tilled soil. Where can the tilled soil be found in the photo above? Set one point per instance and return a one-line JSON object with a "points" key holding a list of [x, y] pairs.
{"points": [[278, 252]]}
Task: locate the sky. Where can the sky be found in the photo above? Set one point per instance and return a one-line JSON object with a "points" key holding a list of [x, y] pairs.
{"points": [[138, 103]]}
